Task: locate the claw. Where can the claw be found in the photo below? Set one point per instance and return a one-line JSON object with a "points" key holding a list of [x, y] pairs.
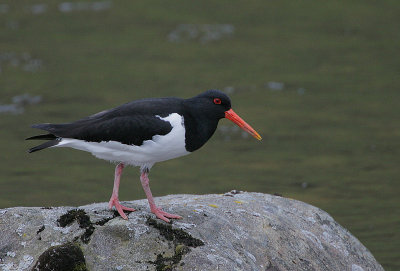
{"points": [[114, 201], [154, 209], [120, 208], [164, 215]]}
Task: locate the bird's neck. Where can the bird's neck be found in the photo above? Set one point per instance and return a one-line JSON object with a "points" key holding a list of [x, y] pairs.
{"points": [[199, 128]]}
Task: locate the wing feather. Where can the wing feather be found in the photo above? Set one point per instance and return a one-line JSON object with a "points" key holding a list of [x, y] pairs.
{"points": [[130, 130], [131, 123]]}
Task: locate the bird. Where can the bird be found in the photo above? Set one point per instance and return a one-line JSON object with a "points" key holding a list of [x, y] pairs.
{"points": [[143, 132]]}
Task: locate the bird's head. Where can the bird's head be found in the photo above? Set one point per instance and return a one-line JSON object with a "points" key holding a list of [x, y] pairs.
{"points": [[217, 104]]}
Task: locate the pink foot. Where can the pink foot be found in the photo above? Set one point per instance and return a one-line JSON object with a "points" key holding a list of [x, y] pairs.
{"points": [[120, 208], [154, 209], [163, 215]]}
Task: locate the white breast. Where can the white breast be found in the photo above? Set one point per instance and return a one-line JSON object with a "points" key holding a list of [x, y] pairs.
{"points": [[157, 149]]}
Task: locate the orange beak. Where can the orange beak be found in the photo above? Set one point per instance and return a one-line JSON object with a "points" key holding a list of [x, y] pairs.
{"points": [[231, 115]]}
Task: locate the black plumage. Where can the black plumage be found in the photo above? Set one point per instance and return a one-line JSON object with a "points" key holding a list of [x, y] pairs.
{"points": [[144, 132], [130, 124], [135, 122]]}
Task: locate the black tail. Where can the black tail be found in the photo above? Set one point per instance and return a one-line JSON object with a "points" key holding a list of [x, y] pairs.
{"points": [[50, 143], [53, 141], [42, 137]]}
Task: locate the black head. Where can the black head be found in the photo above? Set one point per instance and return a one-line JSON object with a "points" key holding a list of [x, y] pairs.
{"points": [[212, 103], [202, 114]]}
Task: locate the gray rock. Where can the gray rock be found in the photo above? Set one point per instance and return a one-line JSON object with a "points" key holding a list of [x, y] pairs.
{"points": [[234, 231]]}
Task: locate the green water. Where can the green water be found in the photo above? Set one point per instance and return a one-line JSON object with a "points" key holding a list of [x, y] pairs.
{"points": [[331, 134]]}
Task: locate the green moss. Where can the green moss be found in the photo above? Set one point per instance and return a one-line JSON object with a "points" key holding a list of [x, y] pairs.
{"points": [[80, 267], [72, 215], [84, 222], [163, 263], [175, 235], [64, 257], [179, 248], [181, 240]]}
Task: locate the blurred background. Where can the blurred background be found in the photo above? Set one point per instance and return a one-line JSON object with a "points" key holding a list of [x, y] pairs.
{"points": [[319, 80]]}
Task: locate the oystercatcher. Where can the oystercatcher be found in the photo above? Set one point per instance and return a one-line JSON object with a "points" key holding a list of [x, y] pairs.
{"points": [[143, 132]]}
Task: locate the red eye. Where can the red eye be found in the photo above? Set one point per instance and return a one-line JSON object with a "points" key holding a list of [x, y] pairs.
{"points": [[217, 101]]}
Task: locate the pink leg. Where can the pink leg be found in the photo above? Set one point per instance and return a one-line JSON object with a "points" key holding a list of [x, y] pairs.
{"points": [[114, 201], [154, 209]]}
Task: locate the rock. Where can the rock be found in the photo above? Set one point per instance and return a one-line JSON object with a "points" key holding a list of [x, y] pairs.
{"points": [[64, 257], [234, 231]]}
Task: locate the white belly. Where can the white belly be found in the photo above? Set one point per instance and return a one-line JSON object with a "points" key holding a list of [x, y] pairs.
{"points": [[159, 148]]}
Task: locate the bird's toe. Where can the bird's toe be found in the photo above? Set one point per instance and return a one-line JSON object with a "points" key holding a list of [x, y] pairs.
{"points": [[120, 208], [164, 215]]}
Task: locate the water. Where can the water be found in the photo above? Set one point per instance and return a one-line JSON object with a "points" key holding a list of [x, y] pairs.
{"points": [[330, 134]]}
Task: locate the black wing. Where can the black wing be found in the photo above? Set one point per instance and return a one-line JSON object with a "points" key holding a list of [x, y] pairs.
{"points": [[127, 130], [131, 123]]}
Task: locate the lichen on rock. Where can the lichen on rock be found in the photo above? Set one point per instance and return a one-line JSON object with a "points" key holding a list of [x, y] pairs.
{"points": [[66, 257], [181, 241], [248, 231]]}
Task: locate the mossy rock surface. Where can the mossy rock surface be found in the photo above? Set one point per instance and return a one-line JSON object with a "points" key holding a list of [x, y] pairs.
{"points": [[233, 231], [66, 257]]}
